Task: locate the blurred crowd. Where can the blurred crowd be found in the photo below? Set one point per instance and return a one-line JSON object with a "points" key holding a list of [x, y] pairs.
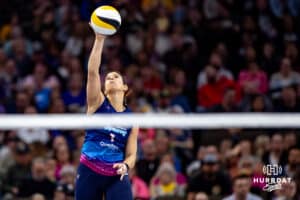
{"points": [[177, 57], [196, 56], [34, 166]]}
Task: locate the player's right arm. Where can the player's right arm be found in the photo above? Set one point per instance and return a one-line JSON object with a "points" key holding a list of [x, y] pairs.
{"points": [[95, 96]]}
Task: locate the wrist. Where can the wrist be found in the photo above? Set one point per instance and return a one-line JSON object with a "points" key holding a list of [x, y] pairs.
{"points": [[127, 166], [100, 37]]}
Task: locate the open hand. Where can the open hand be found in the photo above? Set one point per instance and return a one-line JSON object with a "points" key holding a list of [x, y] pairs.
{"points": [[121, 169], [98, 35]]}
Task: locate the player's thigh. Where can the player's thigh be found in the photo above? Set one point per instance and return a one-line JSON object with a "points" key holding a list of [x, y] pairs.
{"points": [[87, 186], [119, 190]]}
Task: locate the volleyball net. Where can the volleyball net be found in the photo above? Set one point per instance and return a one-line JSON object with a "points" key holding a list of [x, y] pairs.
{"points": [[150, 120]]}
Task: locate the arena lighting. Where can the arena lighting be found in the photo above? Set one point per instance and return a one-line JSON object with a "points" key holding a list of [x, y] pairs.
{"points": [[150, 120]]}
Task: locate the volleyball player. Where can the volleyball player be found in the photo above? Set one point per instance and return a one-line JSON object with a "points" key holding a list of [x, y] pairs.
{"points": [[107, 153]]}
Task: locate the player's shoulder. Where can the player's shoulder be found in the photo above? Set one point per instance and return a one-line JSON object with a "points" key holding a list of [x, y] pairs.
{"points": [[105, 107]]}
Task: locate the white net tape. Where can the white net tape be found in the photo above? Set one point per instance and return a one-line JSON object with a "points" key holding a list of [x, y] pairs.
{"points": [[195, 121]]}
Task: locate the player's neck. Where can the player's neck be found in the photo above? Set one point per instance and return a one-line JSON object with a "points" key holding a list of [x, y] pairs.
{"points": [[116, 99]]}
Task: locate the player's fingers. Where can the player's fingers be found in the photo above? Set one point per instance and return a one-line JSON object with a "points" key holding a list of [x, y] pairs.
{"points": [[119, 171], [122, 176], [117, 165]]}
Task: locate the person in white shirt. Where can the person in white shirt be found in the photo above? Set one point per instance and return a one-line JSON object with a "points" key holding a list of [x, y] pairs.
{"points": [[30, 136], [285, 77], [241, 189]]}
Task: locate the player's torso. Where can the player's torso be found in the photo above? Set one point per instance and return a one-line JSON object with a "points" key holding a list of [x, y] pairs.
{"points": [[106, 144]]}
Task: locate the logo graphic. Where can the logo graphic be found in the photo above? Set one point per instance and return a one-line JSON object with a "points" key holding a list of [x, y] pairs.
{"points": [[273, 178], [272, 170], [112, 137]]}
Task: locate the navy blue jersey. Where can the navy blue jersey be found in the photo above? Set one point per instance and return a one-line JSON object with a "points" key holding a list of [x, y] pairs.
{"points": [[102, 148]]}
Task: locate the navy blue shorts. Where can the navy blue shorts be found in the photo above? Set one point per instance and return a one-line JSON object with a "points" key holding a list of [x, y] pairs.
{"points": [[93, 186]]}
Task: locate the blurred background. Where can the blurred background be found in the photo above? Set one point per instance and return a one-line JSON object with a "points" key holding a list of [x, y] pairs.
{"points": [[202, 56]]}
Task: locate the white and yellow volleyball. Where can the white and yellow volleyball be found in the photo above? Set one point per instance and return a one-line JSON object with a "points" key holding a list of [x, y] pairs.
{"points": [[106, 20]]}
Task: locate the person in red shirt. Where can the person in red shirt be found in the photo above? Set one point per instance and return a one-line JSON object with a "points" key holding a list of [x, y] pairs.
{"points": [[212, 92]]}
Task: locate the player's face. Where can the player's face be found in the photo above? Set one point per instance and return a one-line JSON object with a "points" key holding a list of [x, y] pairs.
{"points": [[114, 82]]}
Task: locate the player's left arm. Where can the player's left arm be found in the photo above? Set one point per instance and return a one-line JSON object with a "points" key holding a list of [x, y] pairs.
{"points": [[130, 154]]}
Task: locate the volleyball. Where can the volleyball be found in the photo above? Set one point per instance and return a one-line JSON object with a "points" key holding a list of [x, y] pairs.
{"points": [[106, 20]]}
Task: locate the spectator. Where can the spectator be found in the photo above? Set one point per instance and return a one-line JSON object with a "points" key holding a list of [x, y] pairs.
{"points": [[22, 101], [201, 196], [63, 157], [152, 82], [58, 140], [167, 185], [225, 149], [284, 78], [74, 44], [178, 90], [215, 61], [277, 7], [231, 162], [287, 191], [292, 52], [288, 101], [257, 103], [7, 151], [67, 181], [139, 187], [59, 194], [162, 143], [180, 177], [37, 182], [57, 106], [245, 148], [50, 165], [241, 189], [211, 179], [276, 154], [40, 83], [253, 80], [229, 102], [290, 139], [19, 171], [33, 135], [147, 166], [8, 77], [293, 162], [38, 197], [183, 144], [211, 93], [268, 61], [74, 97], [194, 166], [261, 145]]}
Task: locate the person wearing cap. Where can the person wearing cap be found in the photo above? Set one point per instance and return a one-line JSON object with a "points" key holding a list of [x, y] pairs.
{"points": [[7, 152], [19, 171], [37, 182], [210, 179]]}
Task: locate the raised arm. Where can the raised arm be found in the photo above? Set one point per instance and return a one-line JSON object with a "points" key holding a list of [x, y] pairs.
{"points": [[95, 96]]}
